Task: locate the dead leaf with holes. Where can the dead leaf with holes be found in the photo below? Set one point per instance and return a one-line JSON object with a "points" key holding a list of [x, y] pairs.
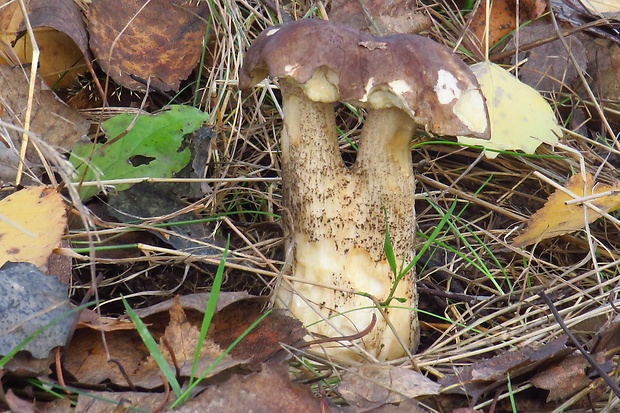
{"points": [[32, 222], [135, 40], [556, 218], [60, 34]]}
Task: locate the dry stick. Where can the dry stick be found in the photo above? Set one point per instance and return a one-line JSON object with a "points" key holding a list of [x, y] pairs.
{"points": [[60, 376], [164, 401], [608, 380], [75, 195], [351, 337], [173, 356], [192, 257], [124, 374], [177, 180], [122, 406], [76, 318]]}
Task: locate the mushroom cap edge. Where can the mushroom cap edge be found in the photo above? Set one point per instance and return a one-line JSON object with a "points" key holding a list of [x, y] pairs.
{"points": [[336, 63]]}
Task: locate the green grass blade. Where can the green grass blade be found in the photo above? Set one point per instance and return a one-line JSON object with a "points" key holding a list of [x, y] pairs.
{"points": [[153, 349], [220, 358], [388, 247], [210, 310]]}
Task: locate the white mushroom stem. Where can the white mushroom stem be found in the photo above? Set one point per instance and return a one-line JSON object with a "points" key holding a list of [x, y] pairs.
{"points": [[337, 221]]}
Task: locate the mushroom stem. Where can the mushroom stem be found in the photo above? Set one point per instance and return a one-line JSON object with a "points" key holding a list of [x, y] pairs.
{"points": [[385, 173], [338, 225]]}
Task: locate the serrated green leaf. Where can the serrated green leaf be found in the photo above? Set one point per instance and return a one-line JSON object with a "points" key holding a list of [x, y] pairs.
{"points": [[153, 144]]}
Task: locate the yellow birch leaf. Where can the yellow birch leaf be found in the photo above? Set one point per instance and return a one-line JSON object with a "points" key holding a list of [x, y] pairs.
{"points": [[61, 59], [556, 218], [32, 222], [602, 6], [519, 116]]}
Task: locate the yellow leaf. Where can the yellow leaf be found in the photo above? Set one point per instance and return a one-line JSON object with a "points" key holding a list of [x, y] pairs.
{"points": [[602, 6], [556, 218], [60, 60], [32, 222], [520, 117]]}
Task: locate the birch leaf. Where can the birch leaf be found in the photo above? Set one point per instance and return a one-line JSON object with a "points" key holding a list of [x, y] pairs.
{"points": [[32, 222], [556, 218], [520, 117]]}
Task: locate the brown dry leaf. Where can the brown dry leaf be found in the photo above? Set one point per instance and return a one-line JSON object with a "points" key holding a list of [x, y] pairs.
{"points": [[502, 21], [90, 319], [106, 402], [86, 357], [161, 40], [380, 17], [180, 334], [196, 302], [604, 69], [565, 378], [374, 384], [60, 35], [270, 391], [408, 406], [262, 343], [242, 309], [608, 337], [25, 365], [53, 121], [18, 405], [32, 222], [548, 67], [485, 375], [556, 218]]}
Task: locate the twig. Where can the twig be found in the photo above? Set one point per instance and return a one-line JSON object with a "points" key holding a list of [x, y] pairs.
{"points": [[608, 380]]}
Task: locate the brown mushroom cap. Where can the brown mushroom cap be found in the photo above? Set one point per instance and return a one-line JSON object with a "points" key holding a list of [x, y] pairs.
{"points": [[336, 63]]}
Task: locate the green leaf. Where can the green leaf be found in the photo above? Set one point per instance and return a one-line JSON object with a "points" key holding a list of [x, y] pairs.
{"points": [[143, 146]]}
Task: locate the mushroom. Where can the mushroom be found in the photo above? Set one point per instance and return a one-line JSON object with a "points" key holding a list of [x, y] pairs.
{"points": [[337, 215]]}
